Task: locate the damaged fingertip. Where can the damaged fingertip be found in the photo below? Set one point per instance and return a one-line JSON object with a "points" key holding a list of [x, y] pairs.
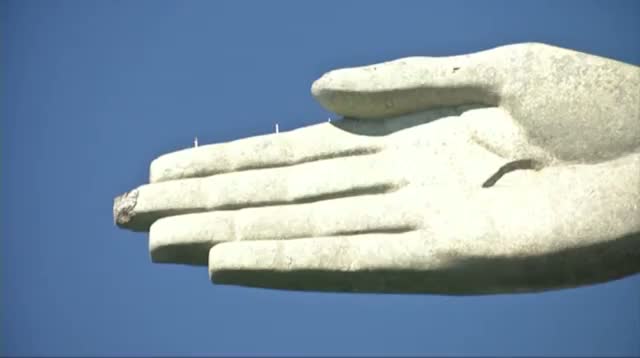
{"points": [[124, 208]]}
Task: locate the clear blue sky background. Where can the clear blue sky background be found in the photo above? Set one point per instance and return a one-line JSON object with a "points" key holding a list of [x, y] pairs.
{"points": [[92, 91]]}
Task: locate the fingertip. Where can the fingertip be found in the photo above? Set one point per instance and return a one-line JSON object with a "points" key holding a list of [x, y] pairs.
{"points": [[127, 216], [318, 86], [228, 257]]}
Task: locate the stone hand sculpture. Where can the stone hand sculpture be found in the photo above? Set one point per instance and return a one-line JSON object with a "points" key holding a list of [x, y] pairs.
{"points": [[515, 169]]}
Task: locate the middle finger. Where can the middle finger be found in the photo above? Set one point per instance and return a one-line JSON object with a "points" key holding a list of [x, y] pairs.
{"points": [[308, 182]]}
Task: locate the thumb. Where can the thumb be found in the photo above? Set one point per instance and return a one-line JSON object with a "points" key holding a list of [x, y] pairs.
{"points": [[414, 84]]}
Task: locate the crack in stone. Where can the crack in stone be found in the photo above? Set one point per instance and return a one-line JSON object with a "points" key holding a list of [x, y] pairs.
{"points": [[523, 164]]}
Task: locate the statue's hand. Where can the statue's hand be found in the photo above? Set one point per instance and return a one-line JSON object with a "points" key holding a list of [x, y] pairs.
{"points": [[398, 204]]}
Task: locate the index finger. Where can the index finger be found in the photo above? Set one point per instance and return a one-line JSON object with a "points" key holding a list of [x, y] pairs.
{"points": [[307, 144]]}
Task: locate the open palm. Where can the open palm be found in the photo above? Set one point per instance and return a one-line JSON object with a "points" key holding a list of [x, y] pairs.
{"points": [[401, 196]]}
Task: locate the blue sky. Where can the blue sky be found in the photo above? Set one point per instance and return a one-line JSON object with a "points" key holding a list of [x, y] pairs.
{"points": [[92, 91]]}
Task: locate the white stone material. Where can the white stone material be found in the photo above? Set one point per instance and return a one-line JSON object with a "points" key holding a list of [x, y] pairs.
{"points": [[390, 198]]}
